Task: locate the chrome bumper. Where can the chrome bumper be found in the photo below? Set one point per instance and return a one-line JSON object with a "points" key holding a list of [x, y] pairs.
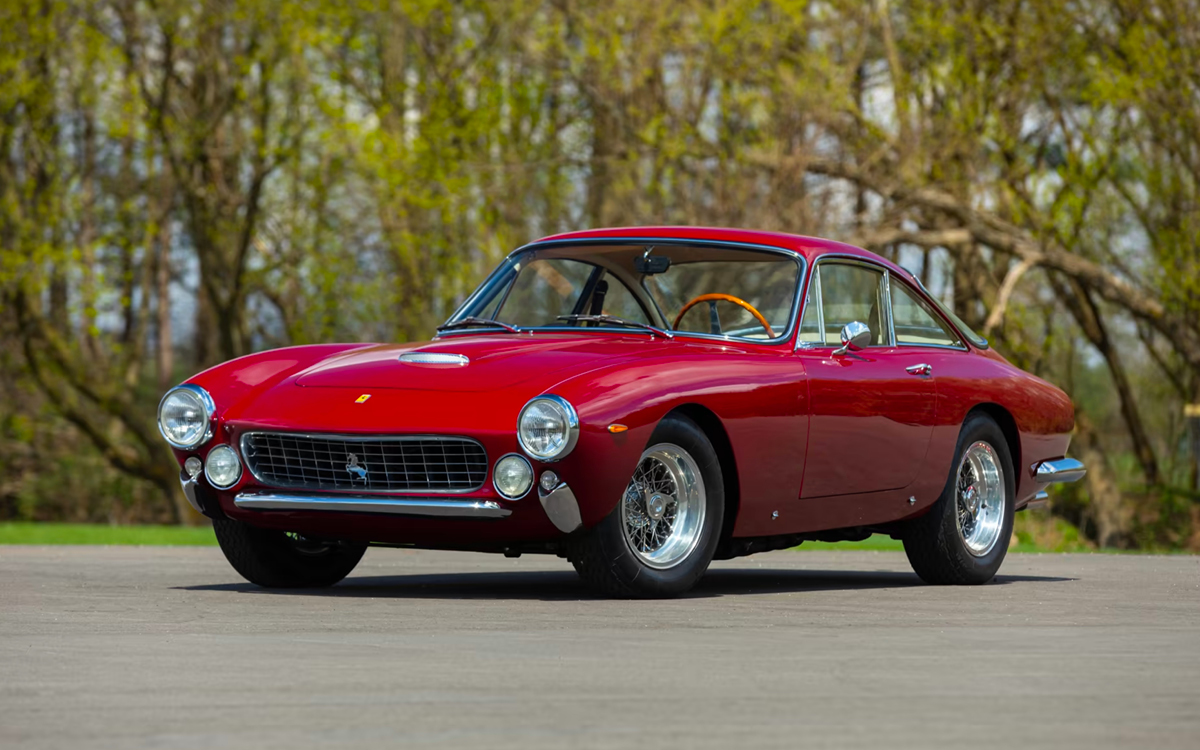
{"points": [[189, 490], [561, 507], [433, 507], [1059, 470]]}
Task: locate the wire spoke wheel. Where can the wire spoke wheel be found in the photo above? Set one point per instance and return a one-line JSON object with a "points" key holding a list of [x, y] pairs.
{"points": [[662, 510], [980, 498]]}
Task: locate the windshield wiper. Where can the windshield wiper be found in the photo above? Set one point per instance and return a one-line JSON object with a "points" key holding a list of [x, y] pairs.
{"points": [[614, 320], [471, 320]]}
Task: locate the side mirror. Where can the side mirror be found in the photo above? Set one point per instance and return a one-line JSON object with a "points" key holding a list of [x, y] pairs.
{"points": [[855, 336]]}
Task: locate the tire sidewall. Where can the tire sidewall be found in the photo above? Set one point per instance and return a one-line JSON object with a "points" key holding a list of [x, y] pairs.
{"points": [[979, 428], [626, 565]]}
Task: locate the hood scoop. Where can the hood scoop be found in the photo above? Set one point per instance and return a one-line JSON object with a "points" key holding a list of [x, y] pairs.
{"points": [[434, 358]]}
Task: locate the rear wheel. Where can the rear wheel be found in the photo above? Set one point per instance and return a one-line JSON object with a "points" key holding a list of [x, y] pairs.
{"points": [[278, 559], [963, 539], [661, 537]]}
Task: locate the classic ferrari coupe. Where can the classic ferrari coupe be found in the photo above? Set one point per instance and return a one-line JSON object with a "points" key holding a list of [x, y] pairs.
{"points": [[639, 401]]}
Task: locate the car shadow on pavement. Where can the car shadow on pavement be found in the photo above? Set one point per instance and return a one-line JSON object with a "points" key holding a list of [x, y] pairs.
{"points": [[553, 585]]}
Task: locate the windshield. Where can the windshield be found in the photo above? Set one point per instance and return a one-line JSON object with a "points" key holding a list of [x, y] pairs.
{"points": [[703, 290]]}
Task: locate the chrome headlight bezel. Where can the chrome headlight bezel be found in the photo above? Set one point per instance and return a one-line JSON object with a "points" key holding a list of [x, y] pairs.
{"points": [[237, 460], [206, 404], [571, 427], [496, 476]]}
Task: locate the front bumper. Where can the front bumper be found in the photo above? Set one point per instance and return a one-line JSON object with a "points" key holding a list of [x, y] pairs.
{"points": [[429, 507]]}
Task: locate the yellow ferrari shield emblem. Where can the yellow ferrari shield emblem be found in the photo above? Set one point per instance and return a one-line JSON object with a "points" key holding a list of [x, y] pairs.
{"points": [[362, 399]]}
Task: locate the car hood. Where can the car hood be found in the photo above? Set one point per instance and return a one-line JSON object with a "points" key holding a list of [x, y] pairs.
{"points": [[492, 362]]}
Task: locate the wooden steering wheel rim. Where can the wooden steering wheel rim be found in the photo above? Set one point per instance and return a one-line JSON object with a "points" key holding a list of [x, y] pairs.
{"points": [[725, 298]]}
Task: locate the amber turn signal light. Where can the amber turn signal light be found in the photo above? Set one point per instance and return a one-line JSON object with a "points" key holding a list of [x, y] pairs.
{"points": [[615, 428]]}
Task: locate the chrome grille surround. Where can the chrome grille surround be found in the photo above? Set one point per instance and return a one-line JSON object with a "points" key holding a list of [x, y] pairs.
{"points": [[365, 463]]}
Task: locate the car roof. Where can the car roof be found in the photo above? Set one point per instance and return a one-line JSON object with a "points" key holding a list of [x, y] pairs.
{"points": [[810, 248]]}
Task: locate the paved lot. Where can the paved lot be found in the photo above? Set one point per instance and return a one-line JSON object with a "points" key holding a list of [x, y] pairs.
{"points": [[145, 647]]}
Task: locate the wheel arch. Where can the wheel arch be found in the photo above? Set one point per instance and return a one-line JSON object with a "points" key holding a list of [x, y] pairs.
{"points": [[714, 430], [1007, 424]]}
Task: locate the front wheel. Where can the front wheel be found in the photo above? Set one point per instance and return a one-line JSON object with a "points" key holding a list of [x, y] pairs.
{"points": [[277, 559], [964, 537], [661, 537]]}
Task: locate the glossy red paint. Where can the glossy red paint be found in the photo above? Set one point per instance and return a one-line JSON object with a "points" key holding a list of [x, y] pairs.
{"points": [[818, 441]]}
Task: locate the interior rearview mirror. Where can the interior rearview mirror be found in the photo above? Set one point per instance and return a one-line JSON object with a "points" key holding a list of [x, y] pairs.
{"points": [[652, 264], [855, 337]]}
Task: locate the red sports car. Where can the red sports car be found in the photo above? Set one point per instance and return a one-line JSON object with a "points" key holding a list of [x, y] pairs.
{"points": [[639, 401]]}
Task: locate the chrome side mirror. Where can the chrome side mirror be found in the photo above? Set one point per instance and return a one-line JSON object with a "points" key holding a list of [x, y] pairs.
{"points": [[855, 337]]}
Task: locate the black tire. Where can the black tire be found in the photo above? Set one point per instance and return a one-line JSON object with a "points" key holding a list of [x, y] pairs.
{"points": [[934, 545], [274, 559], [603, 557]]}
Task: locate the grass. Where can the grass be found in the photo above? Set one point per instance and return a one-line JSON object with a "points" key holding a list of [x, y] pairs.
{"points": [[86, 533]]}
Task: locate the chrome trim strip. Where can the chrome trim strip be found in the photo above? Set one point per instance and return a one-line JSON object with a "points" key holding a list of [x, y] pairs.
{"points": [[509, 262], [561, 507], [1059, 470], [210, 412], [416, 506], [434, 358], [365, 438], [887, 306]]}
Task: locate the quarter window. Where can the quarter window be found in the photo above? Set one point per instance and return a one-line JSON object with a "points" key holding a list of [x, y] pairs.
{"points": [[915, 323]]}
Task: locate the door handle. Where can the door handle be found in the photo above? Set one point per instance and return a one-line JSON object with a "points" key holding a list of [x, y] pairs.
{"points": [[921, 369]]}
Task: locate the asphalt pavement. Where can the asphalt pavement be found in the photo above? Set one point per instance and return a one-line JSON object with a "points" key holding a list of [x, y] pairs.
{"points": [[167, 648]]}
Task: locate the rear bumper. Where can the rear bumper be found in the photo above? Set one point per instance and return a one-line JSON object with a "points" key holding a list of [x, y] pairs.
{"points": [[1059, 470]]}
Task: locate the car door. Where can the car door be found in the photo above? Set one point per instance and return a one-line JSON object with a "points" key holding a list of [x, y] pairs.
{"points": [[871, 411]]}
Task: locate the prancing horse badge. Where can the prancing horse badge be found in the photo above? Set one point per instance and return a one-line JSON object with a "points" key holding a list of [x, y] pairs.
{"points": [[362, 399]]}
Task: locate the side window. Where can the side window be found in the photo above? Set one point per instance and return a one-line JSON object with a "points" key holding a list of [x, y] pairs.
{"points": [[915, 323], [849, 293]]}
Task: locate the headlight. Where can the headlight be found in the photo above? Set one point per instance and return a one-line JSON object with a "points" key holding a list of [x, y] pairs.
{"points": [[185, 416], [222, 468], [548, 428], [513, 476]]}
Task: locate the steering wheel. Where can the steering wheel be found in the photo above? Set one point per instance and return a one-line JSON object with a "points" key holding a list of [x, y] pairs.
{"points": [[725, 298]]}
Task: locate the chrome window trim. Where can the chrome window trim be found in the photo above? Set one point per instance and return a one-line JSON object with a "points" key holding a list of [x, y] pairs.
{"points": [[508, 264], [361, 438], [210, 411], [887, 303]]}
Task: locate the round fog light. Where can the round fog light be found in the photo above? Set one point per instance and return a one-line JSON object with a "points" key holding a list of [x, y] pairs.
{"points": [[222, 468], [549, 481], [513, 476], [193, 466]]}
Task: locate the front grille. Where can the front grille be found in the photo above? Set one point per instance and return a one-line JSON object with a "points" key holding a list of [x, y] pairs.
{"points": [[379, 464]]}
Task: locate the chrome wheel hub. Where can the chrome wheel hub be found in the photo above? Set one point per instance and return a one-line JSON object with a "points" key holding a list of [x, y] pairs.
{"points": [[980, 498], [662, 510]]}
